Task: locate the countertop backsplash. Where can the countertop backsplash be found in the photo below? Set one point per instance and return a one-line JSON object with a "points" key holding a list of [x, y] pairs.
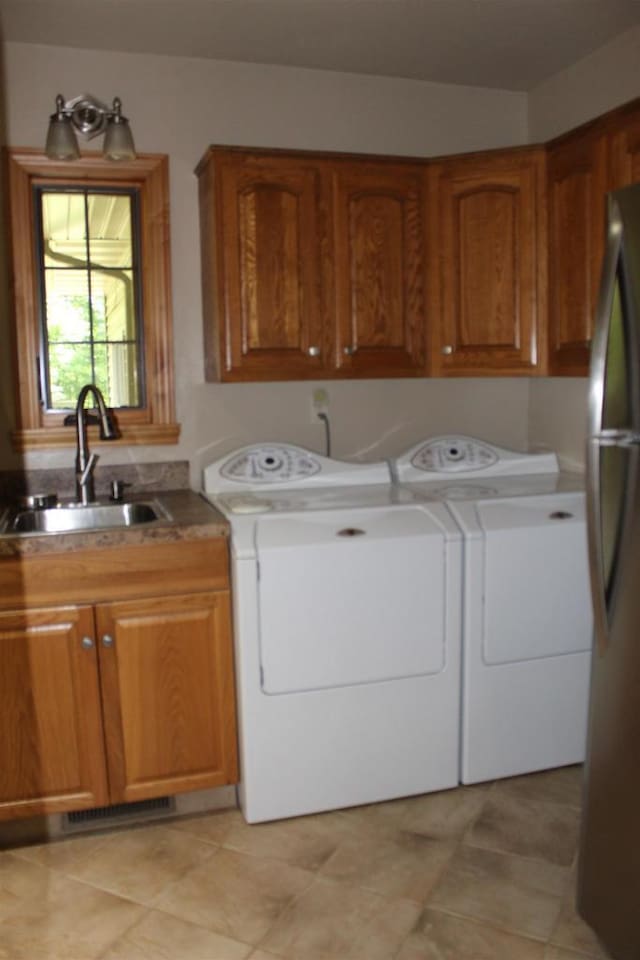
{"points": [[142, 477]]}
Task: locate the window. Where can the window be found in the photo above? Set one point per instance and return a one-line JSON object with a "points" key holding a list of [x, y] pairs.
{"points": [[92, 299]]}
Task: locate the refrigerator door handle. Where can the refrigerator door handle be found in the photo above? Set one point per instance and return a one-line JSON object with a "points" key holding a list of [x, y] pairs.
{"points": [[598, 436], [596, 552], [602, 326]]}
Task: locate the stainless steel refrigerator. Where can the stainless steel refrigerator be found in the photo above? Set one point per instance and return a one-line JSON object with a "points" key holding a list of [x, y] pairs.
{"points": [[609, 859]]}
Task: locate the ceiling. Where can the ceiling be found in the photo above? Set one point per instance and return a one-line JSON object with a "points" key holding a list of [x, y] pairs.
{"points": [[510, 44]]}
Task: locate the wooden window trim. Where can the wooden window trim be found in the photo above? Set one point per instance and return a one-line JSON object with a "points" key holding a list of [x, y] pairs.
{"points": [[155, 422]]}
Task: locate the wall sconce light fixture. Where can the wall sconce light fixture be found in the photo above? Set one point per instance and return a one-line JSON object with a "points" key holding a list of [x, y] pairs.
{"points": [[89, 117]]}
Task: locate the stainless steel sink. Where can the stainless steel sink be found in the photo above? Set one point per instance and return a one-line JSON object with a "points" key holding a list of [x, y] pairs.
{"points": [[76, 517]]}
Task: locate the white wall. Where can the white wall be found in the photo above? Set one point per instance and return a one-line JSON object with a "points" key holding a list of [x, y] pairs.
{"points": [[607, 78], [179, 106]]}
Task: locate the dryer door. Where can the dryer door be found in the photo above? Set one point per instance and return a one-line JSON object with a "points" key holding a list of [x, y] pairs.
{"points": [[350, 597], [536, 578]]}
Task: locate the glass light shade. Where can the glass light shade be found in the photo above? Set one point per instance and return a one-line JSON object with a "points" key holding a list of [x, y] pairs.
{"points": [[118, 141], [61, 140]]}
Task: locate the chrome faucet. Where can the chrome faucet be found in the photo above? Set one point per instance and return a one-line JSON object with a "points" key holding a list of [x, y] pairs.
{"points": [[85, 463]]}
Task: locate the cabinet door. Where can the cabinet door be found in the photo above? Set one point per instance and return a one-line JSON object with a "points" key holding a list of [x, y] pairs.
{"points": [[263, 230], [577, 185], [490, 285], [51, 747], [625, 148], [168, 694], [379, 265]]}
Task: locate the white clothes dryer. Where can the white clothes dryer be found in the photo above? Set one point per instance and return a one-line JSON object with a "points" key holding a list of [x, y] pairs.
{"points": [[346, 599], [527, 621]]}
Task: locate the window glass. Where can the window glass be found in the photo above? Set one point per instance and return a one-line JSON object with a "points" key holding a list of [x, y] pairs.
{"points": [[90, 300]]}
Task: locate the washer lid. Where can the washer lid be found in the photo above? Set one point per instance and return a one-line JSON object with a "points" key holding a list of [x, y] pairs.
{"points": [[269, 466], [445, 457]]}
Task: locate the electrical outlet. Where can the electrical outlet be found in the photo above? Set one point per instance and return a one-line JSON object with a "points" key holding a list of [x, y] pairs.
{"points": [[319, 404]]}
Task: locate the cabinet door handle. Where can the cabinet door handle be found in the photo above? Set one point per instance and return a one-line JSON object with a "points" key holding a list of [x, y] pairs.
{"points": [[447, 350], [107, 640], [314, 351], [349, 351], [87, 642]]}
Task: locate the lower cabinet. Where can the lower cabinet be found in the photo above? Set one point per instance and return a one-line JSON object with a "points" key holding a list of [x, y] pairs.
{"points": [[115, 702]]}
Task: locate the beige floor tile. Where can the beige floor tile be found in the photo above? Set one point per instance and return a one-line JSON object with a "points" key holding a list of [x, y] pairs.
{"points": [[305, 842], [262, 955], [562, 785], [439, 936], [213, 827], [529, 828], [442, 816], [559, 953], [20, 881], [157, 936], [335, 921], [141, 863], [399, 865], [65, 854], [445, 815], [235, 895], [62, 918], [572, 933], [512, 893]]}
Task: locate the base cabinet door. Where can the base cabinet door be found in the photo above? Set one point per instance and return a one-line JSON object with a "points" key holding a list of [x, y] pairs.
{"points": [[168, 694], [51, 746], [489, 278]]}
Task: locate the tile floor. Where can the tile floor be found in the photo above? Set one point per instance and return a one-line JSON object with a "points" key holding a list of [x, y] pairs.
{"points": [[477, 873]]}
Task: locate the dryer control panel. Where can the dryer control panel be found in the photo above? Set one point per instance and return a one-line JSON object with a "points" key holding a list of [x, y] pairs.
{"points": [[467, 458], [453, 455]]}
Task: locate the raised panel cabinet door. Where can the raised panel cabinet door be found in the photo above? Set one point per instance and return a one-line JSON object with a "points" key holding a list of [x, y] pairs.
{"points": [[379, 262], [624, 135], [490, 280], [166, 669], [51, 747], [577, 186], [267, 236]]}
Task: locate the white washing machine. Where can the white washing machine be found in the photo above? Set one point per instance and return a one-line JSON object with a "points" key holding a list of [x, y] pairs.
{"points": [[527, 622], [346, 596]]}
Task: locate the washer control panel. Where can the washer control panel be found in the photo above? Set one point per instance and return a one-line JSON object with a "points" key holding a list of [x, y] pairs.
{"points": [[453, 455], [270, 464]]}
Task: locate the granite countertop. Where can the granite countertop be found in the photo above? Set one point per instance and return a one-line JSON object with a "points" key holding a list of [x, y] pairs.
{"points": [[192, 518]]}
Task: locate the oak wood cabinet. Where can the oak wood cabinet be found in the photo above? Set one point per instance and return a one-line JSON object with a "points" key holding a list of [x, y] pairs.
{"points": [[624, 137], [578, 177], [51, 745], [488, 282], [120, 700], [378, 257], [583, 166], [313, 265], [264, 242]]}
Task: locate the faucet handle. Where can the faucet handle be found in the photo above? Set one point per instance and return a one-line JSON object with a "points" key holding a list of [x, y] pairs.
{"points": [[88, 470], [117, 490]]}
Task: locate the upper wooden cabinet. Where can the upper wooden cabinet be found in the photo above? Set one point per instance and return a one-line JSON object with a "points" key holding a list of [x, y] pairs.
{"points": [[379, 262], [624, 136], [313, 266], [264, 239], [488, 281], [583, 166], [577, 184], [320, 265]]}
